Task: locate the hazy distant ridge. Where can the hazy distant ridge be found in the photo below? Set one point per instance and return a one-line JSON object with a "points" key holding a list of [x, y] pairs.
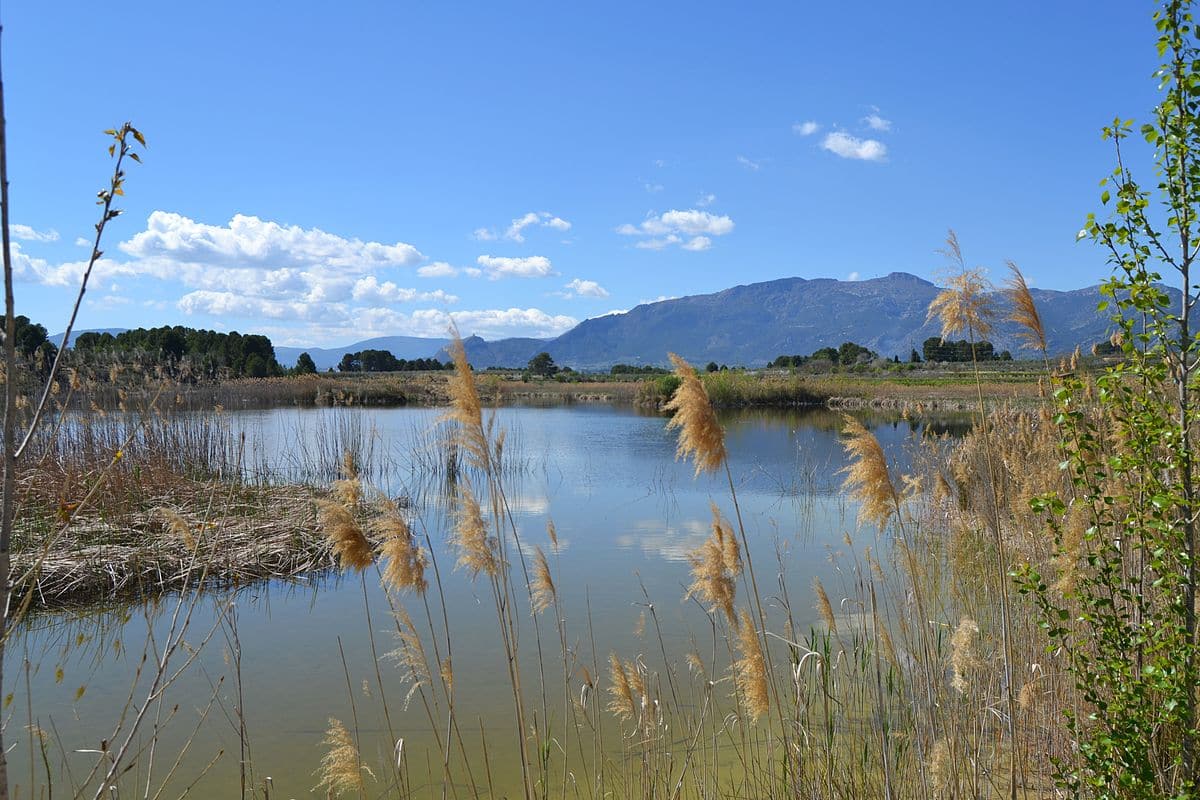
{"points": [[753, 324]]}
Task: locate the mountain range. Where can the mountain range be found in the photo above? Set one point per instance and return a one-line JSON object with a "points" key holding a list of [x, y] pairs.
{"points": [[752, 324]]}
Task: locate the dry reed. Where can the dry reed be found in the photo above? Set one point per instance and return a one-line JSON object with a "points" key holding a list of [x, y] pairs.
{"points": [[867, 477], [750, 669], [1024, 310], [700, 436], [342, 768], [350, 545]]}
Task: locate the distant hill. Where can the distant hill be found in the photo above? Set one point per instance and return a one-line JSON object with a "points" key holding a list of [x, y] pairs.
{"points": [[407, 347], [514, 352], [752, 324]]}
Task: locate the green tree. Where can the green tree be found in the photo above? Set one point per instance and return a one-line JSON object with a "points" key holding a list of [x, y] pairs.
{"points": [[542, 365], [1127, 627], [711, 367], [305, 364]]}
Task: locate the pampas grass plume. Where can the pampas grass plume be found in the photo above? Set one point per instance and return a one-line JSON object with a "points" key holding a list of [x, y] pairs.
{"points": [[405, 558], [542, 589], [342, 768], [349, 543], [867, 478], [476, 550], [965, 305], [701, 436], [1025, 311], [715, 567], [750, 669]]}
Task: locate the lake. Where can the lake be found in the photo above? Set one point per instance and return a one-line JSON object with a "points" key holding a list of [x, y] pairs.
{"points": [[270, 674]]}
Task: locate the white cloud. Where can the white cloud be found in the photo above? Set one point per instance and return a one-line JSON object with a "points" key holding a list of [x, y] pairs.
{"points": [[252, 242], [369, 289], [235, 304], [516, 229], [689, 229], [498, 267], [853, 276], [582, 288], [876, 122], [657, 244], [82, 242], [806, 128], [753, 166], [28, 234], [653, 188], [847, 146], [706, 200], [438, 269]]}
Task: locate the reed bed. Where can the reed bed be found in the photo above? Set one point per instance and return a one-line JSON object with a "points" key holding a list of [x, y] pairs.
{"points": [[251, 534]]}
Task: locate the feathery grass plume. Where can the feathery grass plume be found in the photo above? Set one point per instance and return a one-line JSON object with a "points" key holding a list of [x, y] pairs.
{"points": [[715, 567], [552, 532], [476, 550], [542, 586], [348, 489], [350, 545], [406, 559], [965, 305], [342, 768], [466, 408], [621, 702], [701, 436], [447, 671], [824, 606], [867, 479], [410, 654], [178, 526], [962, 653], [1025, 312], [750, 669]]}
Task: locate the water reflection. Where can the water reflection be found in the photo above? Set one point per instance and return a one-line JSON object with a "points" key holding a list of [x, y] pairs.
{"points": [[627, 516]]}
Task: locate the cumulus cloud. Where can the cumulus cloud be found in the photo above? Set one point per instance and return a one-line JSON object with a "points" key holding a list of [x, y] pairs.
{"points": [[438, 269], [28, 234], [250, 241], [853, 276], [497, 267], [369, 289], [876, 122], [483, 235], [806, 128], [691, 229], [582, 288], [847, 146], [706, 200], [749, 164]]}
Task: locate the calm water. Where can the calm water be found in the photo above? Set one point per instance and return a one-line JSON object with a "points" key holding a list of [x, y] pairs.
{"points": [[627, 514]]}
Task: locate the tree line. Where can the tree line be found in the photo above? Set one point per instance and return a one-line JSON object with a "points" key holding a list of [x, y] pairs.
{"points": [[184, 352], [382, 361]]}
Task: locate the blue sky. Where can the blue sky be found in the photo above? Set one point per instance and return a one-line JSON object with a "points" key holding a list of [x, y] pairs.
{"points": [[327, 172]]}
